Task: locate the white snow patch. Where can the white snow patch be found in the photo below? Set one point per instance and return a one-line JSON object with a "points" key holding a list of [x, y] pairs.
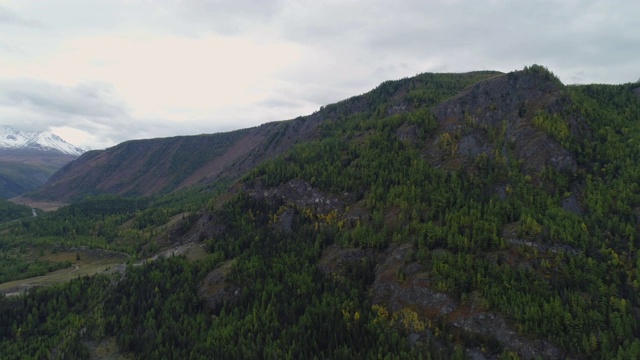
{"points": [[11, 138]]}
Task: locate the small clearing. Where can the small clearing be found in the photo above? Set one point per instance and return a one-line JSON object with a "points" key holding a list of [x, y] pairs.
{"points": [[37, 204], [91, 262]]}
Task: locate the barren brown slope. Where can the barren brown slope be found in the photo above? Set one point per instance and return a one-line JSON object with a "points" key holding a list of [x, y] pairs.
{"points": [[141, 167], [148, 167], [214, 168], [259, 144]]}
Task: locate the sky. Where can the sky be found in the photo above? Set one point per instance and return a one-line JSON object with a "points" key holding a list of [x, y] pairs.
{"points": [[101, 72]]}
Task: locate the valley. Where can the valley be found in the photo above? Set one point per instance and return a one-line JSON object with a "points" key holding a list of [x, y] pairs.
{"points": [[28, 159]]}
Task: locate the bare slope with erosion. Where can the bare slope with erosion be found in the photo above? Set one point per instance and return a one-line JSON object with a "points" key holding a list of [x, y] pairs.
{"points": [[148, 167]]}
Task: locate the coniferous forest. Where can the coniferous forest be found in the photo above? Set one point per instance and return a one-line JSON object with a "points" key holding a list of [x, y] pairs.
{"points": [[443, 216]]}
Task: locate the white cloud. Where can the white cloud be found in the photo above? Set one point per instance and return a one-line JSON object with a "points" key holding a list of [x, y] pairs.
{"points": [[89, 99], [104, 71], [8, 17], [191, 73]]}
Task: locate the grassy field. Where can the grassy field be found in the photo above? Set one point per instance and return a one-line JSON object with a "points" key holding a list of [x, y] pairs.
{"points": [[84, 262], [38, 204], [91, 262]]}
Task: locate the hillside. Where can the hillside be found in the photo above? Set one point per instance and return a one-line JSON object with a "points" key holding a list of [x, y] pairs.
{"points": [[443, 216]]}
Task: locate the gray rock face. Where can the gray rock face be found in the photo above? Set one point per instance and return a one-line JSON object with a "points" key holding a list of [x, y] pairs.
{"points": [[502, 97], [494, 325], [215, 290], [415, 292], [335, 258], [472, 146], [302, 195], [571, 204], [508, 101]]}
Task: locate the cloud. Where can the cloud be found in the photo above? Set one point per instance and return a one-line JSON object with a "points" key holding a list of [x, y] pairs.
{"points": [[418, 36], [8, 17], [110, 70], [92, 107], [228, 17], [94, 99], [93, 115], [348, 47]]}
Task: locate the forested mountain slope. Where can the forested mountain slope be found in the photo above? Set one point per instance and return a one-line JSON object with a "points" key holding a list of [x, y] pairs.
{"points": [[478, 215]]}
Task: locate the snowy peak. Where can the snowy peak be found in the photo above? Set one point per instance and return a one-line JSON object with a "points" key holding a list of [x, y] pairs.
{"points": [[14, 139], [48, 141]]}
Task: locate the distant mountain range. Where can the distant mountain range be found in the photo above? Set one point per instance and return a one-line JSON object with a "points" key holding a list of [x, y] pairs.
{"points": [[13, 139], [29, 158]]}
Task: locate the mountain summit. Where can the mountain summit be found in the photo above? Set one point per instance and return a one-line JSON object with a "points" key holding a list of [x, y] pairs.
{"points": [[14, 139]]}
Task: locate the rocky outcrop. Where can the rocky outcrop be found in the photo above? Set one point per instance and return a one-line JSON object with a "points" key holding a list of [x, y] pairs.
{"points": [[300, 194], [335, 259], [215, 290], [507, 96], [494, 325], [190, 229], [506, 105], [401, 283]]}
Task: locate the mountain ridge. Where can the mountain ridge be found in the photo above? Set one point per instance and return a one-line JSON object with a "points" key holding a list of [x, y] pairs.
{"points": [[164, 165], [13, 139]]}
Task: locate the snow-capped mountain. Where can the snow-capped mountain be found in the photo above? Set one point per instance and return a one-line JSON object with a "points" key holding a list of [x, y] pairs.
{"points": [[14, 139]]}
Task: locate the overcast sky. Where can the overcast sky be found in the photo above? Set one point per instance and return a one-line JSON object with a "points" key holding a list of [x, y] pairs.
{"points": [[101, 72]]}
